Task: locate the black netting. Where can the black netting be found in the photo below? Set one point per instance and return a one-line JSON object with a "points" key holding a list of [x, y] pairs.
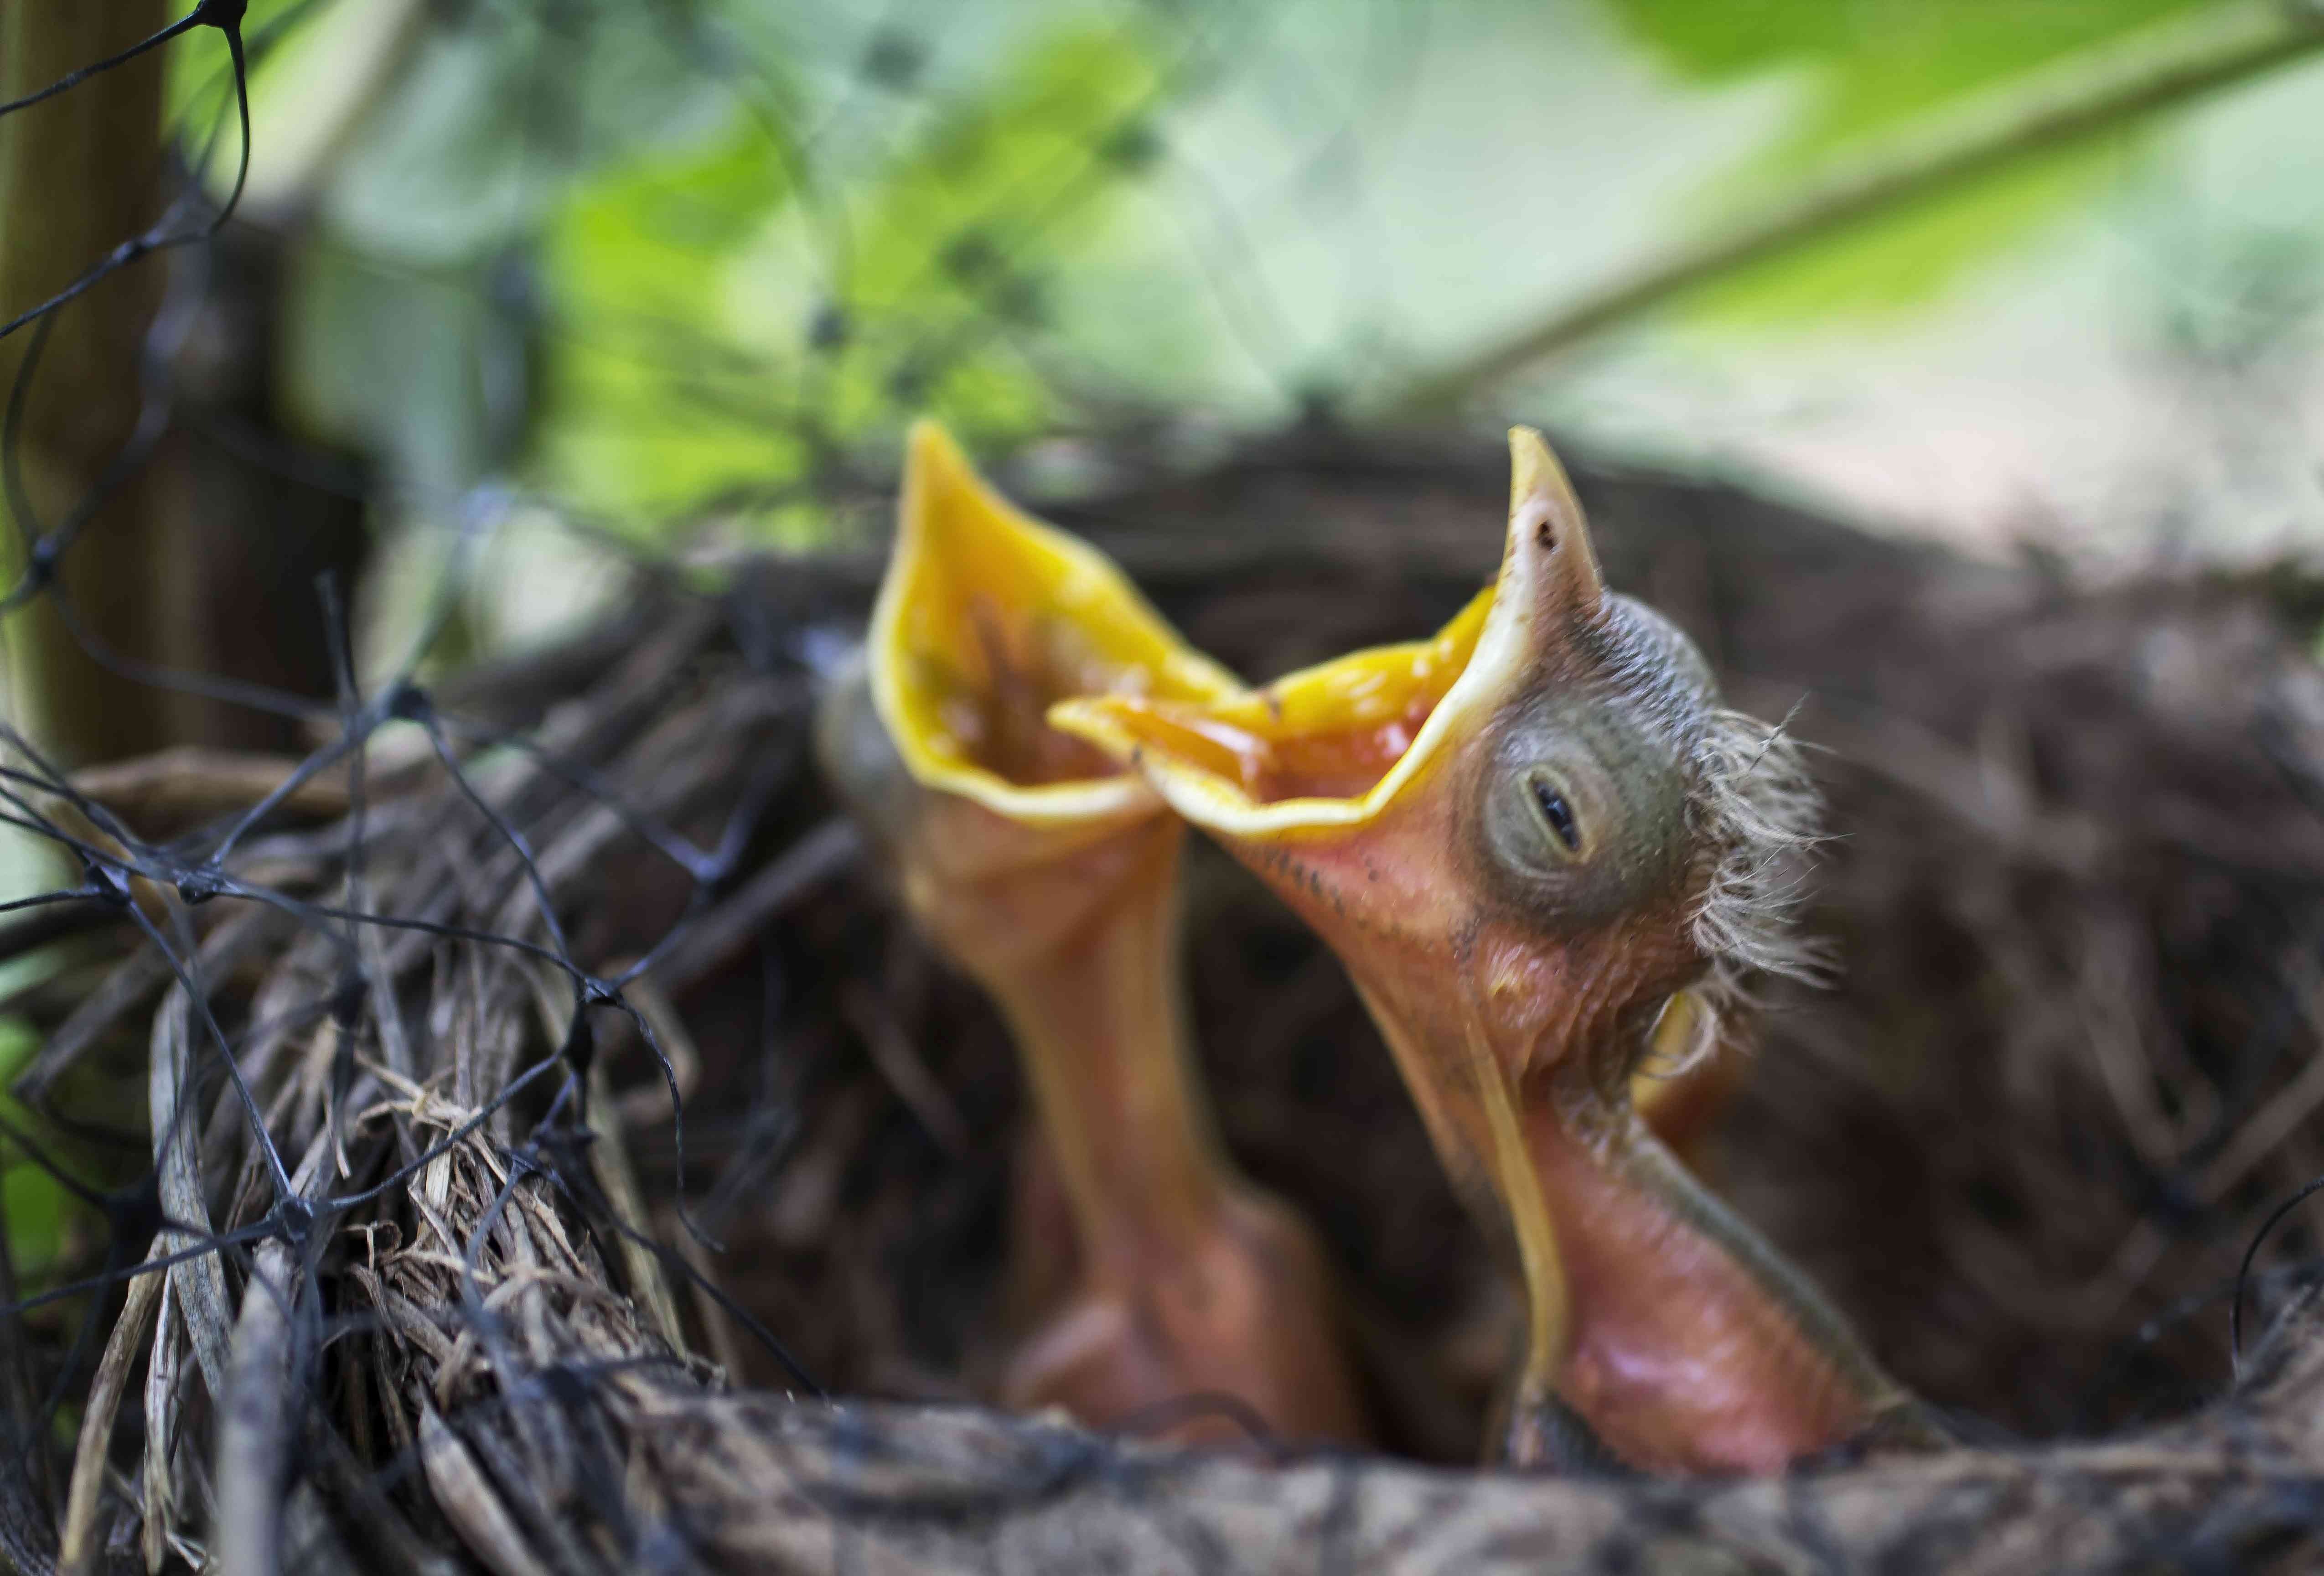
{"points": [[399, 1230]]}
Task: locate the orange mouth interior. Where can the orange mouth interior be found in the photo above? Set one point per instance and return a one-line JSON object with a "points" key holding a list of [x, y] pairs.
{"points": [[1331, 733], [1342, 765], [997, 719], [986, 618]]}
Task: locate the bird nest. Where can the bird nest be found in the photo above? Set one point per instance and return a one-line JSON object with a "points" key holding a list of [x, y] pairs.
{"points": [[634, 1184]]}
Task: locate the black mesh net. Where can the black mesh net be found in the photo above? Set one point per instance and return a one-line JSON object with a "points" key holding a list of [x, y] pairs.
{"points": [[490, 1110]]}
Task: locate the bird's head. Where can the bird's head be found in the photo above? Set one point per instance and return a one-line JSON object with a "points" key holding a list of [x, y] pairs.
{"points": [[1523, 837]]}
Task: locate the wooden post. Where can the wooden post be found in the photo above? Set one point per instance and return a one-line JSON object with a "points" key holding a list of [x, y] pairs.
{"points": [[79, 174]]}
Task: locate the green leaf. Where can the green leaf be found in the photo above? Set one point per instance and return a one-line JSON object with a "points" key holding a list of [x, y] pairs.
{"points": [[1868, 69], [738, 327], [657, 402], [32, 1202], [1875, 65], [1902, 259]]}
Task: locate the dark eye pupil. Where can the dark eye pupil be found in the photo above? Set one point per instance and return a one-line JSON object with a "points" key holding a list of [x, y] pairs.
{"points": [[1558, 814]]}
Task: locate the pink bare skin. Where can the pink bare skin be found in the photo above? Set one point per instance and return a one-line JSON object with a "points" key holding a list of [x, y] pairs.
{"points": [[1152, 1280], [1522, 839]]}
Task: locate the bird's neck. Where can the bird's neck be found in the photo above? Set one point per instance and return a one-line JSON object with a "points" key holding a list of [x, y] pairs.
{"points": [[1690, 1343], [1099, 1023]]}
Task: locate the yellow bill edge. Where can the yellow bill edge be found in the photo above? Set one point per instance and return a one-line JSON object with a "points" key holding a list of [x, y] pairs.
{"points": [[1206, 756], [971, 572]]}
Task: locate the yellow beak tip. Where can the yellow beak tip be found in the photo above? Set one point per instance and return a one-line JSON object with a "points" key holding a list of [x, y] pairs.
{"points": [[1534, 473], [928, 443]]}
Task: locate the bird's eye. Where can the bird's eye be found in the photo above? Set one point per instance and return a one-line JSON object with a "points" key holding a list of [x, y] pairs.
{"points": [[1556, 812]]}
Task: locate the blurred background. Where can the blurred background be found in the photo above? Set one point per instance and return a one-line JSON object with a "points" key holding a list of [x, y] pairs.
{"points": [[680, 270], [690, 266]]}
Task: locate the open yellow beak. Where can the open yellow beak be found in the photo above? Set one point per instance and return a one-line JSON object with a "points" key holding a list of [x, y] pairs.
{"points": [[1049, 874], [1492, 828], [986, 617], [1010, 837]]}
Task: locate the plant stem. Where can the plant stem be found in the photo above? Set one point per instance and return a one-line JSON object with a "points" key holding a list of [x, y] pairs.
{"points": [[2079, 98], [79, 174]]}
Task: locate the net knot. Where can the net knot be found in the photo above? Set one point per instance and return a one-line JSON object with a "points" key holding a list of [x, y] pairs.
{"points": [[408, 702], [103, 883], [41, 561], [294, 1221], [198, 886], [347, 998], [133, 1214]]}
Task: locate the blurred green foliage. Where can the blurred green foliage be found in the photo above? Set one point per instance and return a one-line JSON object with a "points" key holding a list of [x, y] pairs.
{"points": [[31, 1201], [693, 264], [655, 406], [199, 82], [1866, 69], [732, 352], [646, 257], [1875, 63]]}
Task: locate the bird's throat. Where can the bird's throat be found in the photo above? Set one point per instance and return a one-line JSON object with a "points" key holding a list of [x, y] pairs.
{"points": [[1690, 1345], [1100, 1024]]}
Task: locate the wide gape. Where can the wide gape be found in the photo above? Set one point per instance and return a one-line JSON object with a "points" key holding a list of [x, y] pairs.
{"points": [[1152, 1275], [1531, 840]]}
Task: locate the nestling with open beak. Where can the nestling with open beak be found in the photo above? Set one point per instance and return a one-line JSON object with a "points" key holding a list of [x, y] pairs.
{"points": [[1049, 875], [1525, 839]]}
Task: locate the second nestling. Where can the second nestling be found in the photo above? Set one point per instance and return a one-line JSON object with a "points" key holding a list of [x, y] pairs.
{"points": [[1151, 1274]]}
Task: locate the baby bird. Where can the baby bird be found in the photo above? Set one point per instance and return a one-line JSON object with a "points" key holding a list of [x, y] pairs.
{"points": [[1049, 874], [1528, 840]]}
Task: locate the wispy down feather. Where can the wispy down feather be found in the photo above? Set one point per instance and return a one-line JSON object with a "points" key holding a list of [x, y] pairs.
{"points": [[1755, 809]]}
